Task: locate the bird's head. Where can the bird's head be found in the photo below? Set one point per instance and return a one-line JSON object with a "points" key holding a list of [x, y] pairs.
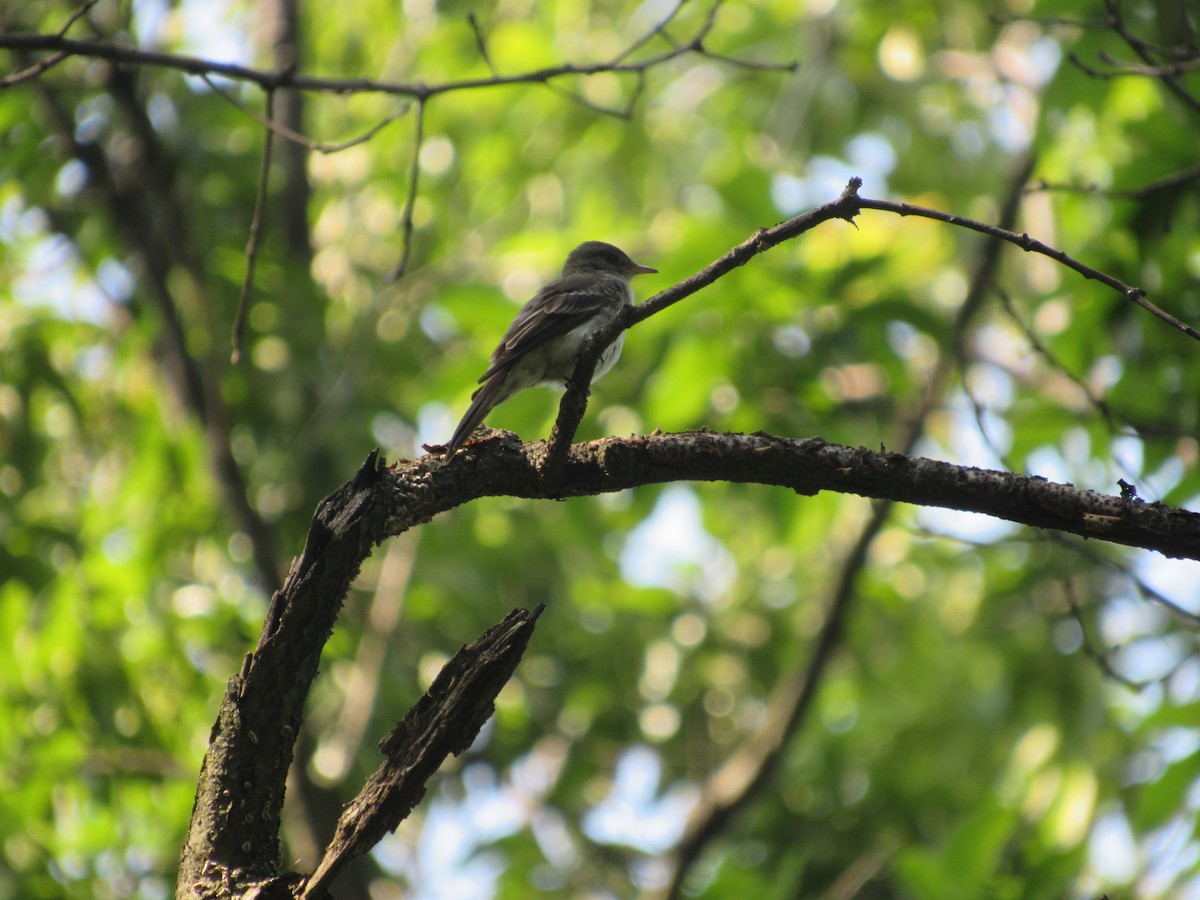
{"points": [[605, 259]]}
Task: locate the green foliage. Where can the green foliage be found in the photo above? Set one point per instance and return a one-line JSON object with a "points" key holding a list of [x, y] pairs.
{"points": [[964, 742]]}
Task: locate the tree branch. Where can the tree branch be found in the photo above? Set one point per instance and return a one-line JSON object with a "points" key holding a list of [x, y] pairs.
{"points": [[1166, 183], [1030, 245], [252, 242], [234, 832], [410, 199], [273, 80], [446, 720], [506, 467], [1144, 50], [233, 835], [848, 206], [574, 402], [286, 42]]}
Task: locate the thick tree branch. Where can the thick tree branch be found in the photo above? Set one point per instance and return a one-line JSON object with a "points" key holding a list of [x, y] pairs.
{"points": [[234, 830], [506, 467], [234, 833], [254, 737], [446, 720]]}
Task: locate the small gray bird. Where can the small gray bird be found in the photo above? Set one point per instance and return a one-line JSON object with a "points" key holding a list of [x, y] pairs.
{"points": [[543, 342]]}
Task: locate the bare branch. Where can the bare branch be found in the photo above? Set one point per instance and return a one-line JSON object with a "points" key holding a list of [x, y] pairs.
{"points": [[481, 42], [1006, 18], [234, 831], [1120, 67], [31, 72], [574, 402], [1099, 404], [1146, 52], [45, 65], [1031, 245], [624, 111], [263, 707], [255, 734], [446, 720], [1145, 590], [847, 206], [295, 137], [270, 80], [78, 14], [1167, 182], [804, 466], [660, 31], [1095, 654], [410, 200], [260, 205], [379, 628], [294, 193]]}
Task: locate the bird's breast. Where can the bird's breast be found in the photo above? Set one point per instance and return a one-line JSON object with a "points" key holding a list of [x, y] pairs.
{"points": [[554, 362], [610, 356]]}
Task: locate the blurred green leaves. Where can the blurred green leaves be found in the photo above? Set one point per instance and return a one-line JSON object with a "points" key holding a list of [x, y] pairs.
{"points": [[963, 742]]}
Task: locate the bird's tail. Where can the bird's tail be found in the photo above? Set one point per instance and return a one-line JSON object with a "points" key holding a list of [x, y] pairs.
{"points": [[494, 392]]}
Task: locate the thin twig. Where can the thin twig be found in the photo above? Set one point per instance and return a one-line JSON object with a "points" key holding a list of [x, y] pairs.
{"points": [[481, 42], [410, 201], [1096, 655], [270, 79], [1145, 590], [1167, 182], [1006, 19], [1146, 52], [44, 65], [31, 72], [1120, 67], [1099, 404], [260, 205], [1031, 245], [659, 30], [624, 112], [294, 136], [82, 11]]}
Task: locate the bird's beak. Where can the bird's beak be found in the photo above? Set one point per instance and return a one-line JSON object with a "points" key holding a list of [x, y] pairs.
{"points": [[644, 270]]}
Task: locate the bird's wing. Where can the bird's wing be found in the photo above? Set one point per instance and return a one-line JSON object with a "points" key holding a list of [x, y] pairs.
{"points": [[556, 309]]}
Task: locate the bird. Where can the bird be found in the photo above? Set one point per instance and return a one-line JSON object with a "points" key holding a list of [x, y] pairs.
{"points": [[543, 343]]}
